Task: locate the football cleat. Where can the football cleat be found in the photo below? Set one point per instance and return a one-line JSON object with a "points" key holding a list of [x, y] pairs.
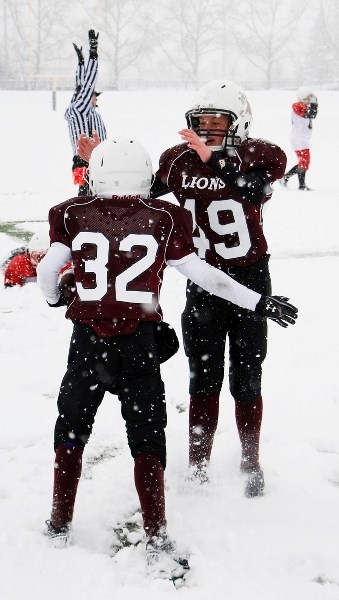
{"points": [[60, 537], [198, 474], [255, 484], [163, 559]]}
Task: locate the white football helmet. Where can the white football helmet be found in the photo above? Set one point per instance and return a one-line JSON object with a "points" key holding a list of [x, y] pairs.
{"points": [[222, 97], [39, 242], [305, 94], [120, 167]]}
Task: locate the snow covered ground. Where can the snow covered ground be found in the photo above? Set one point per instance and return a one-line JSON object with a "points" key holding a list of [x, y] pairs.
{"points": [[284, 545]]}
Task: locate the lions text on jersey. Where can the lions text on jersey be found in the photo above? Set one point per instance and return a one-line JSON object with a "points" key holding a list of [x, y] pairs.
{"points": [[228, 229]]}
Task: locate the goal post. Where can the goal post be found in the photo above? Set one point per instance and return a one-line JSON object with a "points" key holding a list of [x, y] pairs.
{"points": [[53, 85]]}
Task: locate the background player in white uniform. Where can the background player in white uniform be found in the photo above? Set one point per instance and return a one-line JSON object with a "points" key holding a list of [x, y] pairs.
{"points": [[303, 113]]}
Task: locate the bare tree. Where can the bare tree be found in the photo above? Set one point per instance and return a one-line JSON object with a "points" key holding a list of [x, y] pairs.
{"points": [[264, 30], [321, 64], [34, 25], [4, 69], [254, 42], [186, 34], [125, 40], [230, 56]]}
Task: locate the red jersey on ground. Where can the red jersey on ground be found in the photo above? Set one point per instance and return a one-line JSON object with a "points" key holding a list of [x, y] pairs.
{"points": [[120, 248], [228, 230], [19, 270]]}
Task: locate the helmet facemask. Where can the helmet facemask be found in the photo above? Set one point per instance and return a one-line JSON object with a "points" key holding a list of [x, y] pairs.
{"points": [[229, 133], [219, 98]]}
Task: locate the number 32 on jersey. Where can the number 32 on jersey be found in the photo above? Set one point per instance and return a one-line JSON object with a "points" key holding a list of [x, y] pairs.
{"points": [[98, 266]]}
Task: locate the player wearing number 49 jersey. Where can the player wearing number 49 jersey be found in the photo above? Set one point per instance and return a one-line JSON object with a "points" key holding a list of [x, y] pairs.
{"points": [[224, 178], [120, 241]]}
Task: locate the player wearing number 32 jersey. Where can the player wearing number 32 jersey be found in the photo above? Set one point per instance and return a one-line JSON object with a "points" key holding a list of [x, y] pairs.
{"points": [[120, 241], [120, 248]]}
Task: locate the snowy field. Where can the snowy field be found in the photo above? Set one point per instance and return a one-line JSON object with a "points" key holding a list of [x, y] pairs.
{"points": [[283, 545]]}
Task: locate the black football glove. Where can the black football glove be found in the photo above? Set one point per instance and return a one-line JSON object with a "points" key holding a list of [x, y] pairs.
{"points": [[61, 302], [93, 43], [67, 285], [79, 54], [278, 309], [67, 289], [312, 111]]}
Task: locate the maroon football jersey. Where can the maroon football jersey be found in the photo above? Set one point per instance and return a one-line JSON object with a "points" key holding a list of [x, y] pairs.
{"points": [[228, 230], [120, 248]]}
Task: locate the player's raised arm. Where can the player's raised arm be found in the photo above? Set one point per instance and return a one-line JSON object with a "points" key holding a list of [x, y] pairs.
{"points": [[86, 145]]}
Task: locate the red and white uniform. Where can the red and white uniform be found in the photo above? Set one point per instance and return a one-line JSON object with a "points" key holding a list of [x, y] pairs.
{"points": [[301, 134], [20, 270], [301, 127]]}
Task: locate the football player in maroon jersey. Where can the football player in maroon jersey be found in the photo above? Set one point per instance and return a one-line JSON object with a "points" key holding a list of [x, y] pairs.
{"points": [[224, 178], [120, 241]]}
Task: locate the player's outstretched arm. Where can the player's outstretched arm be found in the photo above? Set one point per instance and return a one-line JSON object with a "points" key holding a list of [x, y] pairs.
{"points": [[218, 283], [278, 309]]}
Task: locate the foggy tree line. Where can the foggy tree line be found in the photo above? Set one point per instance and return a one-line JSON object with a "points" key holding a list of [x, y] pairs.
{"points": [[159, 43]]}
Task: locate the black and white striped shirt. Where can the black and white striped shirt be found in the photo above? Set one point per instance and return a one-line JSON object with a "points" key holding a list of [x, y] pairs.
{"points": [[81, 115]]}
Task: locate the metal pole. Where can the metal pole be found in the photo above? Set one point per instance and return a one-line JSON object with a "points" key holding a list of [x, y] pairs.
{"points": [[54, 88]]}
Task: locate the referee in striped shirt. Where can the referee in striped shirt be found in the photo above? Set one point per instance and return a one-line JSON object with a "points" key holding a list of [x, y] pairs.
{"points": [[81, 115]]}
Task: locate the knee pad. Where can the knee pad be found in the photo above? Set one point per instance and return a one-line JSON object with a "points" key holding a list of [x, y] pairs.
{"points": [[245, 383]]}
